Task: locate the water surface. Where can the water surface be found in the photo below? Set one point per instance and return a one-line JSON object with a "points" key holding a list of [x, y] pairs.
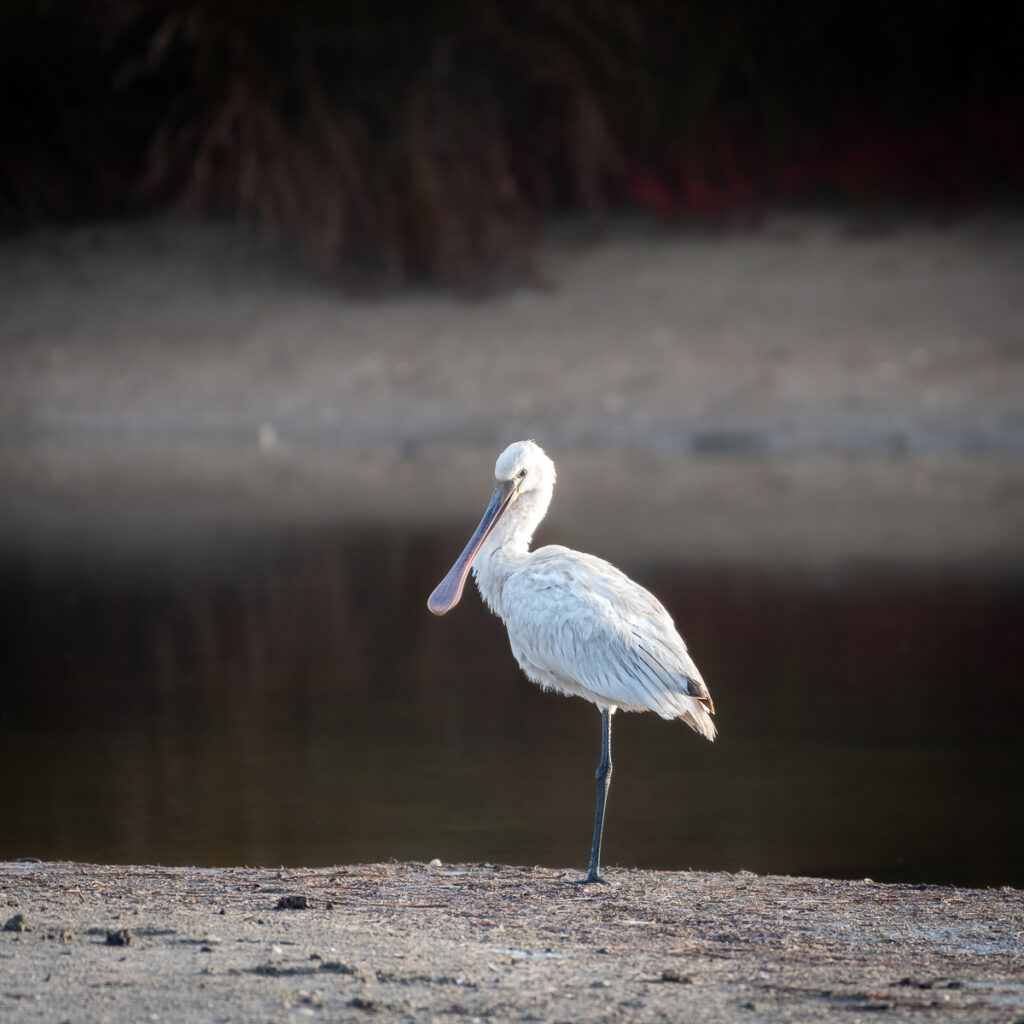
{"points": [[293, 702]]}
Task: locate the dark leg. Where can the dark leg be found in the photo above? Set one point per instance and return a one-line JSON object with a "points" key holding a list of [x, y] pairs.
{"points": [[604, 775]]}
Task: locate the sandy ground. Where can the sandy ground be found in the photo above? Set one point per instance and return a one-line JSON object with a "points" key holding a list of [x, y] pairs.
{"points": [[801, 394], [409, 942]]}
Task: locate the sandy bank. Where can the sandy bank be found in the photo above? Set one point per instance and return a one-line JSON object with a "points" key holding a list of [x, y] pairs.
{"points": [[469, 942], [799, 394]]}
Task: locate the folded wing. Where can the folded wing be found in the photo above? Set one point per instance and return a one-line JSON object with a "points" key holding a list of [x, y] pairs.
{"points": [[580, 626]]}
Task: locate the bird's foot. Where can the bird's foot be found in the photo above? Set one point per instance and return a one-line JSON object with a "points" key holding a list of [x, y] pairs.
{"points": [[592, 878]]}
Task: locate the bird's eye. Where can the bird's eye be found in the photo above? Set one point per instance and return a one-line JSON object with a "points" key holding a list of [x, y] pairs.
{"points": [[521, 474]]}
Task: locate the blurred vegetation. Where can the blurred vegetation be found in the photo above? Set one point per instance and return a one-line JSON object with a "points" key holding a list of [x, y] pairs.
{"points": [[433, 138]]}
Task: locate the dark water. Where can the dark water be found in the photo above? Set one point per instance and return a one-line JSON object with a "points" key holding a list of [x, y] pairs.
{"points": [[294, 703]]}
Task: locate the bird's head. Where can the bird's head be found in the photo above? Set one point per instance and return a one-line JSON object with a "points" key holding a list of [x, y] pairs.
{"points": [[524, 470]]}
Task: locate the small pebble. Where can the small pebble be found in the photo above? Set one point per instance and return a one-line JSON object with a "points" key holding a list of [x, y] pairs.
{"points": [[121, 937], [19, 923], [671, 974], [293, 903]]}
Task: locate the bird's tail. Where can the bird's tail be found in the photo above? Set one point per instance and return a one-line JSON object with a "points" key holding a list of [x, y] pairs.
{"points": [[697, 713]]}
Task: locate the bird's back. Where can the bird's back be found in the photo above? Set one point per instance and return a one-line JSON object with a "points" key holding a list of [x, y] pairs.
{"points": [[582, 627]]}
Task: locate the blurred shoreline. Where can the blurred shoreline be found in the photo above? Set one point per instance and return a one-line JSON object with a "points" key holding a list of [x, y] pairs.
{"points": [[802, 395]]}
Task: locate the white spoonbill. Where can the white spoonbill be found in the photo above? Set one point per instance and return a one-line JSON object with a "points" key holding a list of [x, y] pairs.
{"points": [[576, 623]]}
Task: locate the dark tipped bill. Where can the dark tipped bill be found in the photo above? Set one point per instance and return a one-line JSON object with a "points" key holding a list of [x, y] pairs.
{"points": [[447, 593]]}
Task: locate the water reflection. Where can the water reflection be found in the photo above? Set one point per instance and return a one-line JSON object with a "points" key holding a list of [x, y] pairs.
{"points": [[295, 703]]}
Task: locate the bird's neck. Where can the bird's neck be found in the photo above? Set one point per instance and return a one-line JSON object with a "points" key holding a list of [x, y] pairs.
{"points": [[506, 549], [493, 566]]}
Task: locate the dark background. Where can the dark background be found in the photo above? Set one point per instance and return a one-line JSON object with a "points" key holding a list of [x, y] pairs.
{"points": [[435, 139]]}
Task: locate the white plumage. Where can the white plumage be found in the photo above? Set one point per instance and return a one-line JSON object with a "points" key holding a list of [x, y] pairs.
{"points": [[580, 626], [576, 624]]}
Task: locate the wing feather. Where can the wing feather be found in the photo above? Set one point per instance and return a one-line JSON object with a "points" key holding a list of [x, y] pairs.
{"points": [[580, 626]]}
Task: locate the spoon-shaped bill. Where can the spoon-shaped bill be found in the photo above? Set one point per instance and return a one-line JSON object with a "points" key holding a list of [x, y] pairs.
{"points": [[447, 593]]}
